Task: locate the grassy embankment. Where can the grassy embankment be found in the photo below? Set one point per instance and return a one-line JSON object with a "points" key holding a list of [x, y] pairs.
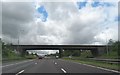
{"points": [[84, 60], [9, 55]]}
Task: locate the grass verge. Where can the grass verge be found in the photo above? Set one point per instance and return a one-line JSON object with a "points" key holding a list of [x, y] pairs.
{"points": [[96, 63]]}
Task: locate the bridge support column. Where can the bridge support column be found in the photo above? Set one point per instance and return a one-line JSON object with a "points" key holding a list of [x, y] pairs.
{"points": [[94, 52], [23, 52], [101, 50], [98, 51], [60, 53]]}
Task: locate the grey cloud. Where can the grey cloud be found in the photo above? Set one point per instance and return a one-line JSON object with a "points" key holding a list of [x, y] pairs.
{"points": [[63, 10], [41, 29], [78, 32], [64, 24], [81, 34], [0, 19], [15, 17]]}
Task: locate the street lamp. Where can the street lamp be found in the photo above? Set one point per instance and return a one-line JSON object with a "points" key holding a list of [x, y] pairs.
{"points": [[19, 38], [106, 41]]}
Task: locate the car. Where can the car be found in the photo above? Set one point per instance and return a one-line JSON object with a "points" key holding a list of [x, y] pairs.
{"points": [[57, 57], [40, 57]]}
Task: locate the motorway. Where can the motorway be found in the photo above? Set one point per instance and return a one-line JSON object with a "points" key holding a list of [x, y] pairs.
{"points": [[49, 66]]}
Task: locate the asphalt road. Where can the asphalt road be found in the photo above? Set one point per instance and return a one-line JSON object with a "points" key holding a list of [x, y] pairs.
{"points": [[49, 66]]}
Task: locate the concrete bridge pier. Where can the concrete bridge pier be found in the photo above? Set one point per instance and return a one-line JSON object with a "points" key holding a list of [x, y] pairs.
{"points": [[102, 50], [21, 51], [94, 52], [98, 51], [60, 53]]}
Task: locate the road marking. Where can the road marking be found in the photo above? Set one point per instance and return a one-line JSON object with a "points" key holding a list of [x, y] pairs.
{"points": [[17, 63], [63, 70], [35, 63], [20, 72], [55, 63], [96, 67], [8, 65]]}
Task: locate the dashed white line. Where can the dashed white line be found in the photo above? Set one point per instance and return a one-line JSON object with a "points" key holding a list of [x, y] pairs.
{"points": [[20, 72], [63, 70], [35, 63], [8, 65], [97, 67], [55, 63]]}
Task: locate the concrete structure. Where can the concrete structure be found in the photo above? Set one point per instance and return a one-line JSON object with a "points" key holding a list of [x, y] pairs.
{"points": [[95, 49]]}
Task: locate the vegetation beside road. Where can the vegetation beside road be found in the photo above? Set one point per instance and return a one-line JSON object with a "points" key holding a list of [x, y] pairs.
{"points": [[113, 52], [9, 54], [84, 56], [95, 63]]}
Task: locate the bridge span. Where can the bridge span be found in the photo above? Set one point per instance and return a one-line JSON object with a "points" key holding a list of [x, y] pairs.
{"points": [[95, 49]]}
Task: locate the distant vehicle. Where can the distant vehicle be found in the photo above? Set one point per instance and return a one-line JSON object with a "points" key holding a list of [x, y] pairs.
{"points": [[57, 57], [70, 56], [40, 57]]}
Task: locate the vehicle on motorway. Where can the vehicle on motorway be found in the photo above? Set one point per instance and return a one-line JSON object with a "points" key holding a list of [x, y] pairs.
{"points": [[70, 56], [56, 57], [40, 57]]}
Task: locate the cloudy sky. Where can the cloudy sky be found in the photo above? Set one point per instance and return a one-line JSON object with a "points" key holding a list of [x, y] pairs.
{"points": [[52, 22]]}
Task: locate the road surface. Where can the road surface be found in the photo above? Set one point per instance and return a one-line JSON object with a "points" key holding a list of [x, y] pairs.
{"points": [[49, 66]]}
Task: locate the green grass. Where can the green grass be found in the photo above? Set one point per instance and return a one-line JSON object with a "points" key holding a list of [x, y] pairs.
{"points": [[86, 53], [96, 63], [30, 56], [9, 55], [110, 55]]}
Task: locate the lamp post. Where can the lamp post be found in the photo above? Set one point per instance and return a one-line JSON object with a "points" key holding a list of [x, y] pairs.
{"points": [[106, 41], [19, 38], [19, 34]]}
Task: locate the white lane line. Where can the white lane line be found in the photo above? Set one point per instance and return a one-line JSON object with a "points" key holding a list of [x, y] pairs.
{"points": [[17, 63], [20, 72], [35, 63], [55, 63], [63, 70], [97, 67], [8, 65]]}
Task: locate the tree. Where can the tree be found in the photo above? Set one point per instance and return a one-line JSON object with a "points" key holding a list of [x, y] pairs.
{"points": [[72, 52], [115, 46], [111, 42]]}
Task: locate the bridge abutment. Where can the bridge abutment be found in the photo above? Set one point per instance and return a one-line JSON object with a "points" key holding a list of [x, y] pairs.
{"points": [[94, 52], [60, 53], [101, 50], [98, 51]]}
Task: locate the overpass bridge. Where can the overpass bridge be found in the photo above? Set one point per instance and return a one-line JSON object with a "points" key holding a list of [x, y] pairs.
{"points": [[95, 49]]}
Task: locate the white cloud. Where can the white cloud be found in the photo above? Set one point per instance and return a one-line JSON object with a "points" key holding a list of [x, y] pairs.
{"points": [[66, 24]]}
